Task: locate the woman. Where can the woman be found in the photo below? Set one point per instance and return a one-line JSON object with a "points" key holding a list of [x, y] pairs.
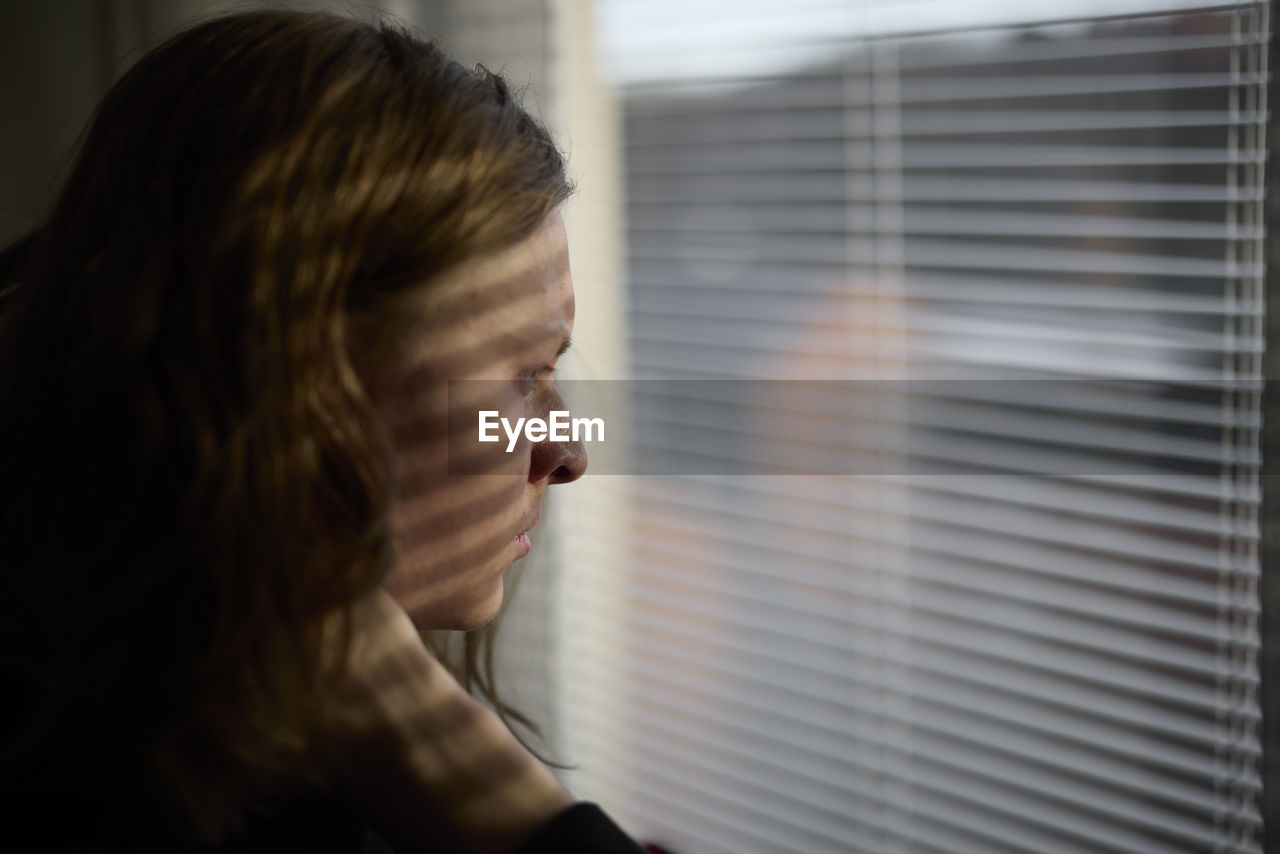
{"points": [[228, 408]]}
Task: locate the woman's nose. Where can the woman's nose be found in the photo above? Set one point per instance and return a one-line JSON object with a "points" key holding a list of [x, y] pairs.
{"points": [[553, 461], [557, 462]]}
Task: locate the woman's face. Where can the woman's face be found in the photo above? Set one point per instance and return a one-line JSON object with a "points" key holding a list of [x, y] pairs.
{"points": [[498, 324]]}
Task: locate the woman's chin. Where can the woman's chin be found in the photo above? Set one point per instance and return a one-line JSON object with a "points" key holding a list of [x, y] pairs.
{"points": [[464, 611]]}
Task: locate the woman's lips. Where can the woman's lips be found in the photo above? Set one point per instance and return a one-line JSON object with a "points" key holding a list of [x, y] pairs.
{"points": [[521, 539], [522, 543]]}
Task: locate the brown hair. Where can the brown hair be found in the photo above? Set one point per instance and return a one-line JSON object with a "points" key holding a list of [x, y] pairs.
{"points": [[193, 469]]}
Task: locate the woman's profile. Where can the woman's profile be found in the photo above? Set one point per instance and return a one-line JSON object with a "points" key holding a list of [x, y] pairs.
{"points": [[230, 352]]}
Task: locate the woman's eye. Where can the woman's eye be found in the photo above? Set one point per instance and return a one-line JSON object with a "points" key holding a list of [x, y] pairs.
{"points": [[527, 378]]}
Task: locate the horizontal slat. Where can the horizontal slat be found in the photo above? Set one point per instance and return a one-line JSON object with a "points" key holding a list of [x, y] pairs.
{"points": [[676, 359], [777, 315], [706, 451], [950, 254], [779, 439], [980, 354], [1047, 295], [943, 404], [1046, 346], [946, 53], [756, 287], [683, 360], [747, 161], [1048, 330], [958, 88], [786, 121], [834, 223], [916, 55], [714, 189], [938, 122], [1103, 501]]}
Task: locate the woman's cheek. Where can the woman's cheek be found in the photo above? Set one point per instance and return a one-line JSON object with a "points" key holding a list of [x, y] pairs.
{"points": [[454, 545]]}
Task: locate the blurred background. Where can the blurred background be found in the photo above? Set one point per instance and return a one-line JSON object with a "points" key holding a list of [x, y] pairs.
{"points": [[1043, 222]]}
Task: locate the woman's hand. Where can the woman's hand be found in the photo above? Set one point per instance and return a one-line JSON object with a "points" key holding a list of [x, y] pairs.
{"points": [[432, 768]]}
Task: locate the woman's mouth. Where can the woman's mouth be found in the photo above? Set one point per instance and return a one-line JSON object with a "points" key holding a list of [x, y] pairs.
{"points": [[522, 543], [522, 539]]}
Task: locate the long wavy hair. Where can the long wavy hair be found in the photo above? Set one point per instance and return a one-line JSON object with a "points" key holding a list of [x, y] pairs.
{"points": [[193, 468]]}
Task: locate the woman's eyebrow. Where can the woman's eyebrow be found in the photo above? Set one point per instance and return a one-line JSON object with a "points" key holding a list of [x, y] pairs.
{"points": [[564, 346]]}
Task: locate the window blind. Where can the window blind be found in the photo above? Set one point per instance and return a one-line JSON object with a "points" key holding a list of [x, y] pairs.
{"points": [[1049, 232]]}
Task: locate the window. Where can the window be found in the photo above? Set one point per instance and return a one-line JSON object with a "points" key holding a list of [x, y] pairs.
{"points": [[1030, 622]]}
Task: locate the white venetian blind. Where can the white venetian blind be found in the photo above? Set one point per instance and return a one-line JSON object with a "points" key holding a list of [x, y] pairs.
{"points": [[1020, 615]]}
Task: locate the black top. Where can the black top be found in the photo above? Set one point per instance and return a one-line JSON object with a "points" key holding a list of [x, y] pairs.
{"points": [[581, 829], [323, 829], [312, 827]]}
